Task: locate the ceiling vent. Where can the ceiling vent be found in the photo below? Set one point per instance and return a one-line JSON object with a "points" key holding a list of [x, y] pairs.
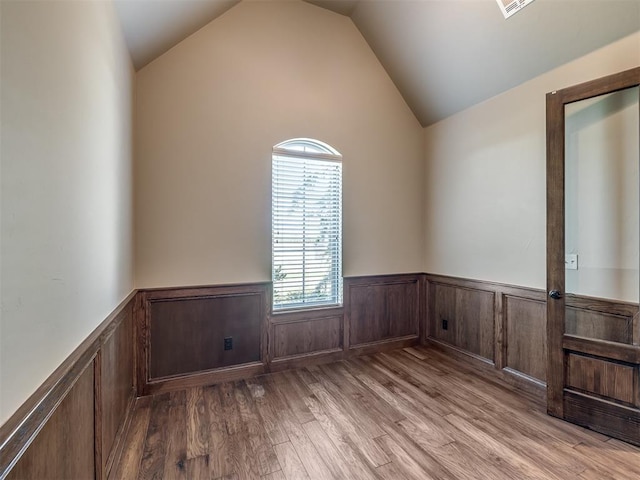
{"points": [[509, 7]]}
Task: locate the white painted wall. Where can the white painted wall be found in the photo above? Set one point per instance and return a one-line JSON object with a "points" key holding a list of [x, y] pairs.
{"points": [[485, 191], [66, 197], [208, 113]]}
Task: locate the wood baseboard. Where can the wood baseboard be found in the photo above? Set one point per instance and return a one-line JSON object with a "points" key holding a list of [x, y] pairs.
{"points": [[305, 360], [528, 385], [319, 358], [384, 345], [201, 379]]}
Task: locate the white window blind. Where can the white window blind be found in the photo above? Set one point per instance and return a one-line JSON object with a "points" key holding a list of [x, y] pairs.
{"points": [[306, 225]]}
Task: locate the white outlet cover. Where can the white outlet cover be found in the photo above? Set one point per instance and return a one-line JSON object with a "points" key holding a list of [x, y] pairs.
{"points": [[510, 7], [571, 261]]}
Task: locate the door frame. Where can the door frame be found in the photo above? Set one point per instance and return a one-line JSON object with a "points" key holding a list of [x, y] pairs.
{"points": [[555, 103]]}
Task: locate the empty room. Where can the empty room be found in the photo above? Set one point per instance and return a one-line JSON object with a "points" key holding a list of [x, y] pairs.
{"points": [[319, 239]]}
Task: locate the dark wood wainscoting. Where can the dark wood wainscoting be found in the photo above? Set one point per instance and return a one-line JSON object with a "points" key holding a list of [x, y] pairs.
{"points": [[168, 339], [181, 335], [502, 325], [73, 425], [499, 324], [506, 326], [382, 309], [70, 429], [463, 317], [115, 385], [525, 336], [300, 338], [181, 331]]}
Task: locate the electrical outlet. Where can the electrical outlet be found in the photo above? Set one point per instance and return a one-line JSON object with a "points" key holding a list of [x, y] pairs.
{"points": [[445, 324], [228, 343]]}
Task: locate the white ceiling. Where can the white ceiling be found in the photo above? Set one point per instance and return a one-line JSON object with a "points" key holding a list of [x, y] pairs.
{"points": [[443, 55], [151, 27]]}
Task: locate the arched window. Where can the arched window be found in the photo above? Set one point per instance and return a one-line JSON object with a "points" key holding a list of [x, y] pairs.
{"points": [[306, 225]]}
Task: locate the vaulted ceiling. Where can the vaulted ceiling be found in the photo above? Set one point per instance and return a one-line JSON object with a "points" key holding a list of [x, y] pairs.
{"points": [[443, 55]]}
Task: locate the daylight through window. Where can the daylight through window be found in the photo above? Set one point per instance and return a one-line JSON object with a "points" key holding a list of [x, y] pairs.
{"points": [[306, 225]]}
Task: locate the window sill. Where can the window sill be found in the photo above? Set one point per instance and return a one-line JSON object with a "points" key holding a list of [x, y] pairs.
{"points": [[310, 313]]}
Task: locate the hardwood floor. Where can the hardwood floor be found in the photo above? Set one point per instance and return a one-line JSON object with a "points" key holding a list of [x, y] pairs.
{"points": [[408, 414]]}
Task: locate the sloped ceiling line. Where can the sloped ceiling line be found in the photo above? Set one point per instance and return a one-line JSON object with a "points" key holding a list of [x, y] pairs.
{"points": [[443, 55]]}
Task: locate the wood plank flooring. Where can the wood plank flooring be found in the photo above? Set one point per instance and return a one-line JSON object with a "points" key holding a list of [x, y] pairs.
{"points": [[408, 414]]}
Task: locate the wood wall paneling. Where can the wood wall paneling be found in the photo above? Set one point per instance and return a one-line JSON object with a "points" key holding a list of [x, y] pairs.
{"points": [[602, 348], [86, 398], [187, 335], [116, 386], [515, 326], [443, 305], [71, 425], [475, 321], [382, 308], [64, 448], [526, 331], [180, 335], [307, 336], [469, 315]]}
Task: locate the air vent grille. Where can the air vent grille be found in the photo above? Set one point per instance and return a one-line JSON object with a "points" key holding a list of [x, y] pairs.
{"points": [[509, 7]]}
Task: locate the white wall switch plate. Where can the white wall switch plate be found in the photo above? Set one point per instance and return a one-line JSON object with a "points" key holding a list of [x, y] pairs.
{"points": [[571, 261]]}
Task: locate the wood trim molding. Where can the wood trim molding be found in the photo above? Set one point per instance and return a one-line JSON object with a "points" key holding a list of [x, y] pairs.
{"points": [[459, 352], [602, 348], [602, 305], [297, 316], [384, 345], [504, 288], [209, 377], [97, 416], [593, 88], [500, 347], [20, 430], [306, 359]]}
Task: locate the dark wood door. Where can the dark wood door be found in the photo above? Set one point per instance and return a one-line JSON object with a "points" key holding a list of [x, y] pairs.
{"points": [[593, 369]]}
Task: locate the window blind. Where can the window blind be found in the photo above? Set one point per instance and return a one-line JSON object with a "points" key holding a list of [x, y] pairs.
{"points": [[306, 229]]}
